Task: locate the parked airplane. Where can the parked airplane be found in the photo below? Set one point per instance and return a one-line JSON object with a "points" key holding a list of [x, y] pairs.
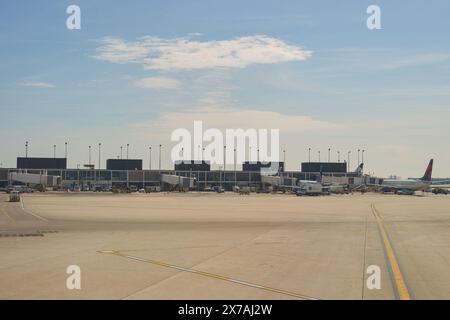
{"points": [[408, 186], [440, 187], [306, 187], [341, 188], [316, 187]]}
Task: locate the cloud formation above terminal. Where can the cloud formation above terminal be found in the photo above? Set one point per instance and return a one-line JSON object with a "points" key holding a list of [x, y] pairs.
{"points": [[183, 53], [37, 84], [158, 83]]}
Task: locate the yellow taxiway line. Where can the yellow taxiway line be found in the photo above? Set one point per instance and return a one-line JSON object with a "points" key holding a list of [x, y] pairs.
{"points": [[209, 275], [400, 284]]}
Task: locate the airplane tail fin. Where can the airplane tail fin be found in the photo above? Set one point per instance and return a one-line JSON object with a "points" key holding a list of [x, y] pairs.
{"points": [[427, 174], [319, 178], [360, 168]]}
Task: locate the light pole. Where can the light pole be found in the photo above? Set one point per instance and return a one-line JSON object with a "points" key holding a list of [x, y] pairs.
{"points": [[121, 152], [26, 149], [319, 154], [160, 157], [128, 145], [329, 150], [309, 154], [284, 158], [339, 156], [99, 152], [54, 151], [235, 160], [348, 161], [257, 155], [358, 156], [203, 154], [89, 155], [65, 150], [150, 158], [224, 157], [362, 159], [235, 175]]}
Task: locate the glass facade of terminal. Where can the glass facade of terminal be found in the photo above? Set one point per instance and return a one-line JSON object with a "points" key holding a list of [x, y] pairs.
{"points": [[142, 178]]}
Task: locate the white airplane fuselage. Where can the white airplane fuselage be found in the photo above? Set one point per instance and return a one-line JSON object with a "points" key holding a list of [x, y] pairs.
{"points": [[409, 184], [300, 182]]}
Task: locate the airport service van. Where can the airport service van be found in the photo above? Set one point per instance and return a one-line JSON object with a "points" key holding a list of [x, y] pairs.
{"points": [[14, 196], [149, 189]]}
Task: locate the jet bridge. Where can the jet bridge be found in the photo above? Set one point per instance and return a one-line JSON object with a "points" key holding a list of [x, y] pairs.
{"points": [[277, 183], [175, 181], [35, 179]]}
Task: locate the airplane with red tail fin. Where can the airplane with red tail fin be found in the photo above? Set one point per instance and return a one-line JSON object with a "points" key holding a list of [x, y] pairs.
{"points": [[408, 186]]}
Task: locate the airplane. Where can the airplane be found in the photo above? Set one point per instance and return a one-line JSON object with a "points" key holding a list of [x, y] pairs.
{"points": [[440, 187], [359, 169], [440, 190], [440, 184], [316, 187], [306, 187], [408, 186], [309, 187], [341, 188]]}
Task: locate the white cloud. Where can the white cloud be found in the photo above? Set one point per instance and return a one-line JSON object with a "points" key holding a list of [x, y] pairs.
{"points": [[232, 118], [37, 84], [187, 54], [196, 34], [158, 83]]}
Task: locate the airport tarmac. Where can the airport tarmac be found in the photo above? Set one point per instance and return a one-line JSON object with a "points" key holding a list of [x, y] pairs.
{"points": [[224, 246]]}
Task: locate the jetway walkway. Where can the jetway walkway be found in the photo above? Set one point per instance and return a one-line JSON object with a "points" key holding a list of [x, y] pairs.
{"points": [[34, 179], [174, 181]]}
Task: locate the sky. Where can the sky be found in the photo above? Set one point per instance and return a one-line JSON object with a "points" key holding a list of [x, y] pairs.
{"points": [[136, 71]]}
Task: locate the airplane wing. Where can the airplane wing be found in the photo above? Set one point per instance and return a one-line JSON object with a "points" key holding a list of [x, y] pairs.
{"points": [[443, 186], [440, 182]]}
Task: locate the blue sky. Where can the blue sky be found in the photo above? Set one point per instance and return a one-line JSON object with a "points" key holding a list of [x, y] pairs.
{"points": [[386, 91]]}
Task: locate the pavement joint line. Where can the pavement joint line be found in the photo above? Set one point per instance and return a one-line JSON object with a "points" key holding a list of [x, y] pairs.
{"points": [[207, 274], [7, 215], [364, 259], [29, 212], [398, 279]]}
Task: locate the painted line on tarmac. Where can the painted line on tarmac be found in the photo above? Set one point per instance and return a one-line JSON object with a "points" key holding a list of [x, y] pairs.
{"points": [[7, 215], [398, 280], [209, 275], [32, 213]]}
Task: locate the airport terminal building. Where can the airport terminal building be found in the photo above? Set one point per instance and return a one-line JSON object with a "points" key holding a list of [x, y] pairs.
{"points": [[129, 172]]}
